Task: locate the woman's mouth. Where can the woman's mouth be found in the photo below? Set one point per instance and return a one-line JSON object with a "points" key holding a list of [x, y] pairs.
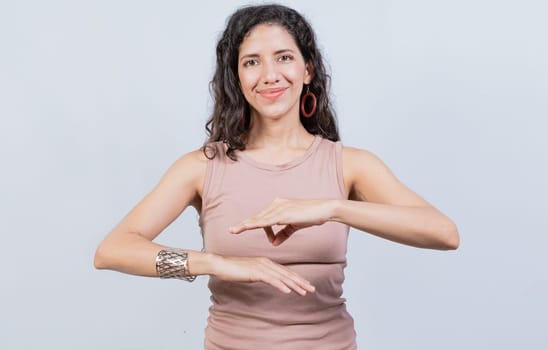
{"points": [[273, 93]]}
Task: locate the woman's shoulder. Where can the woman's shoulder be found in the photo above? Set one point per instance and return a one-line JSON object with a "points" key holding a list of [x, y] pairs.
{"points": [[193, 158], [358, 154], [357, 161], [190, 166], [201, 156], [195, 163], [189, 172], [353, 156]]}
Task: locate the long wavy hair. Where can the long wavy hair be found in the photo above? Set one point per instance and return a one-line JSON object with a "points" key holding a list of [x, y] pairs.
{"points": [[230, 120]]}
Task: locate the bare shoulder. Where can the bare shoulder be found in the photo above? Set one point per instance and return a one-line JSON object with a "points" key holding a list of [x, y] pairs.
{"points": [[360, 162], [179, 187], [189, 169], [368, 178], [182, 182], [193, 159], [356, 157]]}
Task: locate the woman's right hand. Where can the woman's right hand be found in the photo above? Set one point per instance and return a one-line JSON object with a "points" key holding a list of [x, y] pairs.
{"points": [[261, 269]]}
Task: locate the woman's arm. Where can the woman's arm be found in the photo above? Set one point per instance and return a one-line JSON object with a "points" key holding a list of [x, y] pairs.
{"points": [[381, 205], [377, 203], [129, 247]]}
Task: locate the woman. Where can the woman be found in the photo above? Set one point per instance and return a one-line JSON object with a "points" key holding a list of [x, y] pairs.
{"points": [[276, 193]]}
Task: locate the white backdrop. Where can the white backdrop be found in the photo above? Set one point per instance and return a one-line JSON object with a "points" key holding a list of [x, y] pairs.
{"points": [[98, 98]]}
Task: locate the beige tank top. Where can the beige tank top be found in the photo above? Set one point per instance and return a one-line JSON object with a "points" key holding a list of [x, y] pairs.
{"points": [[256, 315]]}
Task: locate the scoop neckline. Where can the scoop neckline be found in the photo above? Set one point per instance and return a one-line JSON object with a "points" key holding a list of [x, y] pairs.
{"points": [[284, 166]]}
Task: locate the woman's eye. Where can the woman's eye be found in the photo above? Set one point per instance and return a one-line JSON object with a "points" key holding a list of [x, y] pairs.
{"points": [[286, 58], [250, 63]]}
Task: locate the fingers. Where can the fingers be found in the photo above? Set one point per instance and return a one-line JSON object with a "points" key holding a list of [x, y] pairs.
{"points": [[250, 224], [262, 269], [269, 234], [283, 235], [298, 284], [280, 238], [275, 238], [287, 280], [295, 213], [287, 284], [239, 228], [266, 217]]}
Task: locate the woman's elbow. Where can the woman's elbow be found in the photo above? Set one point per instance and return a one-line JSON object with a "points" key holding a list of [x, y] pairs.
{"points": [[449, 236], [100, 260]]}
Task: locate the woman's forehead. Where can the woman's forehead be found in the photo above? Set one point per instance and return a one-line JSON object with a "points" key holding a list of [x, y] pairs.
{"points": [[267, 37]]}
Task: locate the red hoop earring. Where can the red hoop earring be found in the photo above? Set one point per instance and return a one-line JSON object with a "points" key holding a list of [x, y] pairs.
{"points": [[303, 103]]}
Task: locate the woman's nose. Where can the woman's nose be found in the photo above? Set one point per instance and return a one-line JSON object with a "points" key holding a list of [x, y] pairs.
{"points": [[270, 73]]}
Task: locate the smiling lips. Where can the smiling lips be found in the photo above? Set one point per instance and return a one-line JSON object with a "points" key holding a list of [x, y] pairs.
{"points": [[273, 93]]}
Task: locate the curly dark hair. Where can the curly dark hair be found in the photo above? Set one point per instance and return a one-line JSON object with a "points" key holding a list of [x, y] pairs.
{"points": [[230, 105]]}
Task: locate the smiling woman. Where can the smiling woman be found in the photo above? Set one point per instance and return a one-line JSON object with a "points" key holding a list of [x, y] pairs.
{"points": [[277, 193], [272, 72]]}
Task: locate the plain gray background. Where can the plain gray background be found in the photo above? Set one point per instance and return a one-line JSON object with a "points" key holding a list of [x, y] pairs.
{"points": [[98, 98]]}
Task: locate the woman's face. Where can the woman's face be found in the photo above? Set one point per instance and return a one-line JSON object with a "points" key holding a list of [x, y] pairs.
{"points": [[272, 71]]}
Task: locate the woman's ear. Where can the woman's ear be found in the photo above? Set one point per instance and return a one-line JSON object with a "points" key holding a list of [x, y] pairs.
{"points": [[308, 73]]}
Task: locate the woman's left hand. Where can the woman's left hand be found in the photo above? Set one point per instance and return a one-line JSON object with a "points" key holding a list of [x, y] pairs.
{"points": [[295, 214]]}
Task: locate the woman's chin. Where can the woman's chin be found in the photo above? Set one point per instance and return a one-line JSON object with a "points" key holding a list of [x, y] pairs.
{"points": [[276, 114]]}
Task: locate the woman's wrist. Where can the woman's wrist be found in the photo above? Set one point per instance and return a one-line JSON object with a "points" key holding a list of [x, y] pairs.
{"points": [[335, 206], [201, 263]]}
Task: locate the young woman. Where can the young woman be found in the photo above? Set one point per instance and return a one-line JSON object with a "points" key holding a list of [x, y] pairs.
{"points": [[277, 193]]}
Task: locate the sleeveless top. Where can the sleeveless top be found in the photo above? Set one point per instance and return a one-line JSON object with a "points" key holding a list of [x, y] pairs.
{"points": [[257, 315]]}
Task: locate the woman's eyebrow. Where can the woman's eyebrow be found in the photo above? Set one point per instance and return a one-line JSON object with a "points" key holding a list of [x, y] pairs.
{"points": [[255, 55], [250, 55]]}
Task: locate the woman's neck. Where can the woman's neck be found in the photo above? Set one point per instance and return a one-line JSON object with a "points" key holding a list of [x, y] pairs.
{"points": [[277, 134]]}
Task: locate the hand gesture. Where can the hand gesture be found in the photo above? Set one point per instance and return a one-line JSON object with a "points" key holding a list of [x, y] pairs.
{"points": [[261, 269], [295, 214]]}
